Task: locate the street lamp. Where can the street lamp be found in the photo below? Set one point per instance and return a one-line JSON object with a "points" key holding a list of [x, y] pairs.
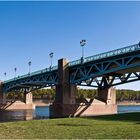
{"points": [[82, 44], [51, 56], [139, 44], [15, 69], [29, 63], [5, 75]]}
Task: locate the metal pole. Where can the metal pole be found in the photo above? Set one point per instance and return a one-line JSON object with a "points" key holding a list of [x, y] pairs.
{"points": [[51, 57], [51, 61], [82, 43], [29, 63], [82, 51], [29, 69], [15, 71], [5, 76]]}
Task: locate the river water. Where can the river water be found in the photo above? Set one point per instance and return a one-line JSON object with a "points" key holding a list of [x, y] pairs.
{"points": [[42, 112]]}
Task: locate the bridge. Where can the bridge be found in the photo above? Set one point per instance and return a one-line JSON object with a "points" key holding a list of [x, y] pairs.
{"points": [[102, 71]]}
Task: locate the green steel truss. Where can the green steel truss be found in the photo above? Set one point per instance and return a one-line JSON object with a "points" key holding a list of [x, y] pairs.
{"points": [[32, 82], [107, 72], [103, 70]]}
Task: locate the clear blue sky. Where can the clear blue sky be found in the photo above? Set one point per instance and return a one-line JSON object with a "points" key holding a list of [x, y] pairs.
{"points": [[31, 30]]}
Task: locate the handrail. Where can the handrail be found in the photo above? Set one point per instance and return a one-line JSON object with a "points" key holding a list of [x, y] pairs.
{"points": [[116, 52], [32, 74]]}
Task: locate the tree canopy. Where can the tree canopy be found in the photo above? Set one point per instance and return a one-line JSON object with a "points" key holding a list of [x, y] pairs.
{"points": [[121, 95]]}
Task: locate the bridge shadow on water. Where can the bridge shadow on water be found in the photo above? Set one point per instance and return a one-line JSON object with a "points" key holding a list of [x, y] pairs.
{"points": [[15, 115]]}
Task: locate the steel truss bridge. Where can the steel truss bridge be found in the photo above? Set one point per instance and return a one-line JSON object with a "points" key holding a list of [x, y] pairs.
{"points": [[102, 70]]}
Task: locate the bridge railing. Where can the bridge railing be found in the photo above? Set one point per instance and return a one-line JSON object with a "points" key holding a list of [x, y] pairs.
{"points": [[116, 52], [33, 73], [76, 62]]}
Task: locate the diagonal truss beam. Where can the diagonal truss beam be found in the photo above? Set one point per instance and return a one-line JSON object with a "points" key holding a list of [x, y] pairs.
{"points": [[33, 82], [117, 65], [108, 81]]}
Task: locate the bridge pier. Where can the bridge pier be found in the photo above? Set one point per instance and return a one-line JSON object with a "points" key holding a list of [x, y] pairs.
{"points": [[107, 95], [65, 92], [28, 98], [105, 102], [2, 94], [22, 105], [65, 99], [27, 104]]}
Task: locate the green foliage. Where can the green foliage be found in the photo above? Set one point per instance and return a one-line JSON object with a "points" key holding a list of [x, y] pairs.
{"points": [[49, 94], [14, 95], [130, 95], [86, 93], [121, 95], [44, 93]]}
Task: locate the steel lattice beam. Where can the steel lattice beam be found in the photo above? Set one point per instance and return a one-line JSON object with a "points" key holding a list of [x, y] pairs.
{"points": [[104, 70], [33, 82], [113, 66]]}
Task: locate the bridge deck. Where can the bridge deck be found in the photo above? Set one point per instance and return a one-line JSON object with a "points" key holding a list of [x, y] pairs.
{"points": [[121, 51], [108, 54]]}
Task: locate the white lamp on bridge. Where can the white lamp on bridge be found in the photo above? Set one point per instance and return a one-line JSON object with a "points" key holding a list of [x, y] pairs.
{"points": [[51, 57], [139, 43], [5, 75], [82, 44], [15, 69], [29, 64]]}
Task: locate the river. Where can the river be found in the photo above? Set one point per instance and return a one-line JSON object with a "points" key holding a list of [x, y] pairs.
{"points": [[42, 112]]}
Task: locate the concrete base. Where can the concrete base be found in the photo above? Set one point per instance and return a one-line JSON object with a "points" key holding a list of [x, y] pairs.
{"points": [[2, 94], [95, 108], [91, 108], [17, 105]]}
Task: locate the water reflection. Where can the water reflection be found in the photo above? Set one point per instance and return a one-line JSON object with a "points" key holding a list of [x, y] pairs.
{"points": [[15, 115], [42, 112], [128, 108]]}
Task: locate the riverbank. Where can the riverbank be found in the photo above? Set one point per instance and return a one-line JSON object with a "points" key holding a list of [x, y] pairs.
{"points": [[128, 103], [39, 103], [42, 102], [47, 102], [120, 126]]}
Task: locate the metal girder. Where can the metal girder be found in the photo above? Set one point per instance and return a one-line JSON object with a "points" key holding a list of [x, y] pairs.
{"points": [[105, 81], [101, 71], [33, 82], [117, 66]]}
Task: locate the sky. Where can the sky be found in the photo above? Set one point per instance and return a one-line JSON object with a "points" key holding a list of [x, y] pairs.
{"points": [[29, 31]]}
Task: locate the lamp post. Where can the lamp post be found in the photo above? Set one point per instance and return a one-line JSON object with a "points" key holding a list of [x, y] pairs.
{"points": [[29, 64], [51, 56], [139, 44], [5, 75], [15, 69], [82, 44]]}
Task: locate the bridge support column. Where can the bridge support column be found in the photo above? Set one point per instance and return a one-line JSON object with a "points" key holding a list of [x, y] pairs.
{"points": [[26, 105], [105, 102], [107, 95], [65, 104], [2, 94], [28, 98], [65, 92]]}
